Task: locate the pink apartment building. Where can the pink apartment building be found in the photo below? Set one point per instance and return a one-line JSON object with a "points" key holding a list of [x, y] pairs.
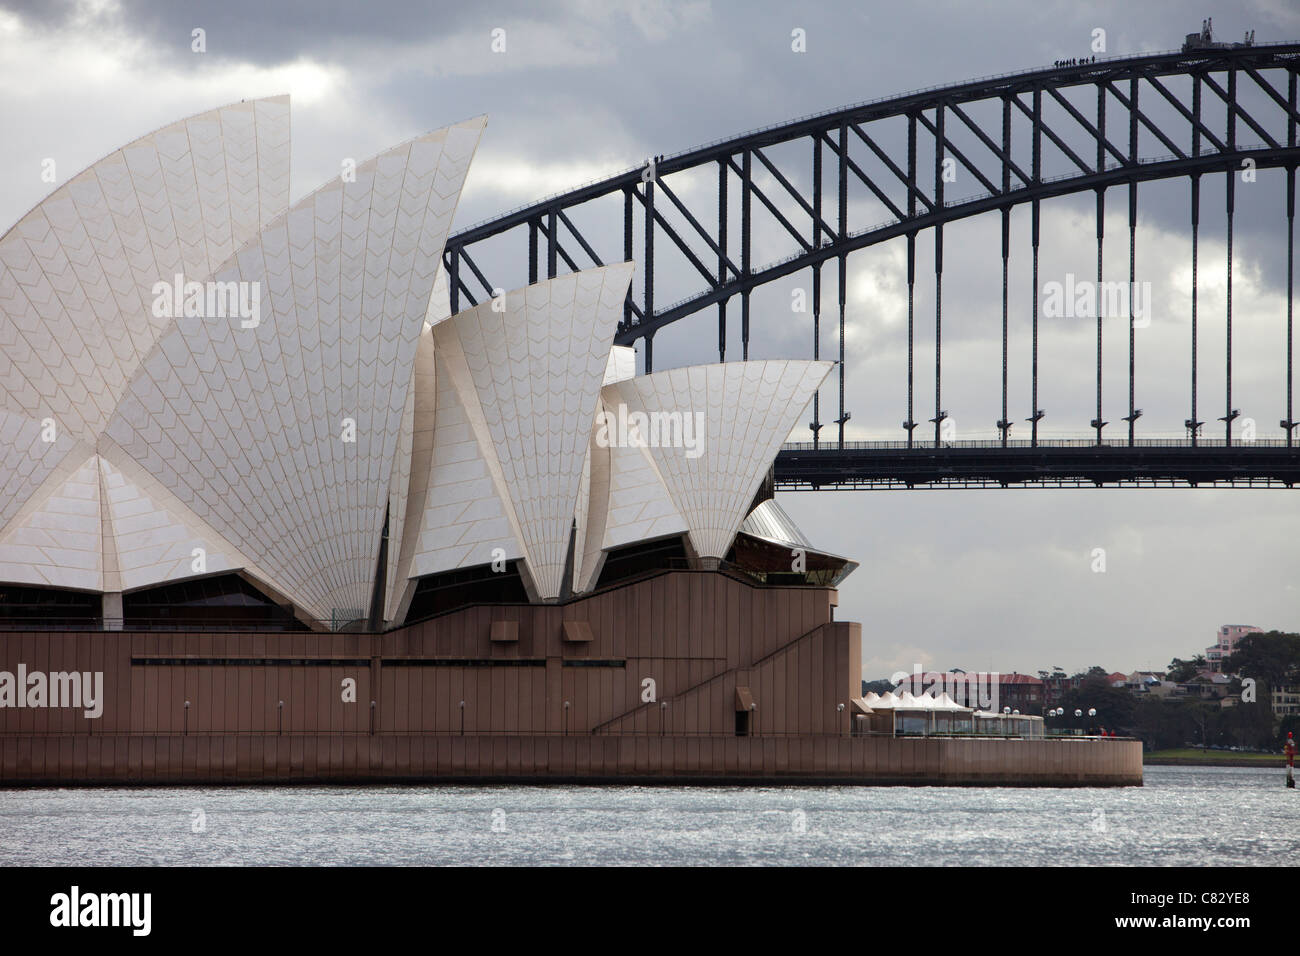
{"points": [[1228, 637]]}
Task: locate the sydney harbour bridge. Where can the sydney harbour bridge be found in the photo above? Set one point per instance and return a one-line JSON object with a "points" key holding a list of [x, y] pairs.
{"points": [[1104, 126]]}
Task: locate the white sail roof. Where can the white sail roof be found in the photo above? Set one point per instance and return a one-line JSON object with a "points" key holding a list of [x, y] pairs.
{"points": [[462, 516], [145, 438], [78, 272], [743, 411], [536, 360], [78, 275], [282, 436], [57, 540]]}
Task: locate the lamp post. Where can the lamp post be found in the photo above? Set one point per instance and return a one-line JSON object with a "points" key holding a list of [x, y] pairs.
{"points": [[372, 718], [753, 719], [1092, 716], [566, 718], [839, 709], [186, 732], [279, 719], [1059, 714], [462, 718], [663, 716]]}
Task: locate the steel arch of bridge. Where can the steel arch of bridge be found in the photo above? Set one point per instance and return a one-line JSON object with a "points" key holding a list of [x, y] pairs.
{"points": [[1008, 165]]}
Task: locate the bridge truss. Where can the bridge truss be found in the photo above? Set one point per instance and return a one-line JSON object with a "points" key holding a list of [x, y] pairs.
{"points": [[1114, 123]]}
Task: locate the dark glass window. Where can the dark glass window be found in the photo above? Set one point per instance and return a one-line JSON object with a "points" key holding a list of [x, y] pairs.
{"points": [[223, 601], [622, 563], [22, 607], [439, 593]]}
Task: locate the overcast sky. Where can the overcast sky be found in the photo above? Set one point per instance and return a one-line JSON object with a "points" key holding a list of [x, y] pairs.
{"points": [[975, 579]]}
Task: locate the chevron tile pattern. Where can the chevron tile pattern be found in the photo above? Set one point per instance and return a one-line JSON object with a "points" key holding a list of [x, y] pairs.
{"points": [[749, 408], [28, 461], [640, 506], [77, 277], [152, 538], [466, 517], [282, 437], [77, 272], [58, 543], [593, 497], [536, 366]]}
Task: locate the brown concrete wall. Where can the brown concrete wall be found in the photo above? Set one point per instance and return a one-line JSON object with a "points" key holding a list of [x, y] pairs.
{"points": [[698, 635], [679, 629], [797, 687], [231, 758]]}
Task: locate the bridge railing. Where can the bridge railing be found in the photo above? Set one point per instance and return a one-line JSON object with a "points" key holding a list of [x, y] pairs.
{"points": [[921, 444]]}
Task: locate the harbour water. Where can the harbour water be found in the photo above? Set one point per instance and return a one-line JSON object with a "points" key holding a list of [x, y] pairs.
{"points": [[1183, 816]]}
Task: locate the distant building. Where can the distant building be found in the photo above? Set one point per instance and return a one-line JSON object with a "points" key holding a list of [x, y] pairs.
{"points": [[1139, 682], [1206, 685], [1228, 637], [1285, 700], [1145, 677], [1056, 686], [1017, 691]]}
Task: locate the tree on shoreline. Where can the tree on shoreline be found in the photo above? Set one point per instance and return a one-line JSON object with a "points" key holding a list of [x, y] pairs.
{"points": [[1181, 671], [1271, 658]]}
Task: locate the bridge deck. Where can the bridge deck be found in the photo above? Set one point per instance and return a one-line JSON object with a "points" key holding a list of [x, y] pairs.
{"points": [[1049, 463]]}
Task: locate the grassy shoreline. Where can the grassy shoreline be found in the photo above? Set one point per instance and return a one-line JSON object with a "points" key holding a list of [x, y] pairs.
{"points": [[1195, 757]]}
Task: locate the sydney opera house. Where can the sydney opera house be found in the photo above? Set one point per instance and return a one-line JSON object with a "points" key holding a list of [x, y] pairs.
{"points": [[271, 512]]}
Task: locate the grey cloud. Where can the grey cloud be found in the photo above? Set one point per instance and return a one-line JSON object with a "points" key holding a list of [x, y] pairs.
{"points": [[965, 574]]}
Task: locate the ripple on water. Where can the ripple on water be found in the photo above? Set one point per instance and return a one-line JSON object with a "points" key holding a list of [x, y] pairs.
{"points": [[1183, 816]]}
